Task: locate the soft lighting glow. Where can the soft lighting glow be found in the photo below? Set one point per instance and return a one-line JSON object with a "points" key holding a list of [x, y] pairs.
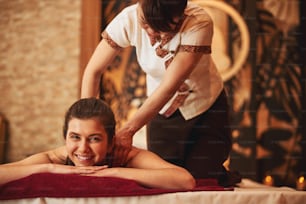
{"points": [[268, 180], [301, 179], [300, 183]]}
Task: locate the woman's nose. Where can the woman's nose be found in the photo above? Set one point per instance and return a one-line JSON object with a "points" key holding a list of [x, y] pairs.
{"points": [[83, 146]]}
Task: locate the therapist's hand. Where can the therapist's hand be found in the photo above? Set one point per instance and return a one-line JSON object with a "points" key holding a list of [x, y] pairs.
{"points": [[123, 144]]}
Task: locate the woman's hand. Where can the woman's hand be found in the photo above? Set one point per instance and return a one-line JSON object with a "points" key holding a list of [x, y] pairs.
{"points": [[83, 170], [123, 144], [107, 172]]}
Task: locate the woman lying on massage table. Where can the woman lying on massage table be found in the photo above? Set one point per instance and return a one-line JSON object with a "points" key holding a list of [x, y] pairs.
{"points": [[88, 130]]}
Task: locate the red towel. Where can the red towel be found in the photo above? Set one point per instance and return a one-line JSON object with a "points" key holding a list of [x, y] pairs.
{"points": [[73, 186]]}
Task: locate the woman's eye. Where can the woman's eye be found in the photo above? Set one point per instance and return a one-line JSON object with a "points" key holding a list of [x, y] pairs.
{"points": [[95, 139], [74, 137]]}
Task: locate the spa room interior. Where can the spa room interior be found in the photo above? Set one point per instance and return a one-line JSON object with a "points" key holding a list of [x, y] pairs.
{"points": [[258, 46]]}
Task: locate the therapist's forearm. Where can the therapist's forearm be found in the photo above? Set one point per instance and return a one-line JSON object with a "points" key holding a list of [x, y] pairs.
{"points": [[90, 85], [171, 82], [150, 107]]}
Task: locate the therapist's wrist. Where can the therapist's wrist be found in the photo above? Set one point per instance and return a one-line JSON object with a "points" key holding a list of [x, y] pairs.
{"points": [[129, 130]]}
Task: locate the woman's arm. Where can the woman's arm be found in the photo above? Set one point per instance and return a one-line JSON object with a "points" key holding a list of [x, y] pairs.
{"points": [[101, 58], [147, 169], [49, 161], [36, 163], [177, 72]]}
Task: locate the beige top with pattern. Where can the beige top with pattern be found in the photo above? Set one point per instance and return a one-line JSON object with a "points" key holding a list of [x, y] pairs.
{"points": [[194, 35]]}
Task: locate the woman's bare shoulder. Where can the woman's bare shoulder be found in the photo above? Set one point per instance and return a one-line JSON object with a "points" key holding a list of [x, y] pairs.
{"points": [[141, 158], [134, 151], [58, 155]]}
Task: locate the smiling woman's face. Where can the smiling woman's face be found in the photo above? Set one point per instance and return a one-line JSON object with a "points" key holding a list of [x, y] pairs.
{"points": [[86, 142]]}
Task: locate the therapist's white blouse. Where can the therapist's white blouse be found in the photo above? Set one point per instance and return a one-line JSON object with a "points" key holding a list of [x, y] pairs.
{"points": [[195, 35]]}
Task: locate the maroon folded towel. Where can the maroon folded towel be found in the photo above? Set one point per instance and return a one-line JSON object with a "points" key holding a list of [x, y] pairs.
{"points": [[73, 186]]}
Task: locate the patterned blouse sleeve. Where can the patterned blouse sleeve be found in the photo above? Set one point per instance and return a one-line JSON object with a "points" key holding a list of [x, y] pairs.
{"points": [[117, 32], [198, 35]]}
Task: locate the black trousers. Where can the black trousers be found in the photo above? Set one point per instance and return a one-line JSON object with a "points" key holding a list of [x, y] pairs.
{"points": [[200, 145]]}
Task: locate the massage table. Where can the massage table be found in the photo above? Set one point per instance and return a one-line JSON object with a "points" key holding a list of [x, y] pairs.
{"points": [[75, 189]]}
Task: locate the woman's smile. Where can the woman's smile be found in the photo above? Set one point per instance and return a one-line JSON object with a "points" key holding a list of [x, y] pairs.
{"points": [[84, 157]]}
